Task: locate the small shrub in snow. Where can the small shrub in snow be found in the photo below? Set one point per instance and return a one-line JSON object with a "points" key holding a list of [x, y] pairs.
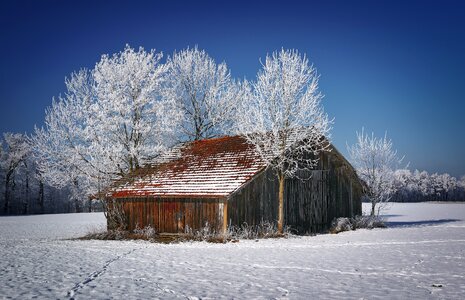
{"points": [[206, 233], [368, 222], [264, 229], [147, 232], [235, 233], [340, 225], [359, 222]]}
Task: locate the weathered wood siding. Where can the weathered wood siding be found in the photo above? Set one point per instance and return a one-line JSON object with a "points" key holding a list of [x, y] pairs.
{"points": [[174, 215], [332, 190], [255, 202], [310, 205]]}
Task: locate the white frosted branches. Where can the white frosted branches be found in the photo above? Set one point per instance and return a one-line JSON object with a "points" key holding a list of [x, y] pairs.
{"points": [[203, 91], [111, 120], [282, 113], [375, 160]]}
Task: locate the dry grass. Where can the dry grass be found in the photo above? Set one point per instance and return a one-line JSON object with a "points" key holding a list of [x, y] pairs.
{"points": [[207, 234]]}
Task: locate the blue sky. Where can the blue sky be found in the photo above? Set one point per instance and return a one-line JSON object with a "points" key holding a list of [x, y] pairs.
{"points": [[384, 65]]}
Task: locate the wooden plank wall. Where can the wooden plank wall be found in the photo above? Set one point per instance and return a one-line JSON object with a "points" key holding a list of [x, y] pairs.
{"points": [[256, 202], [310, 205], [308, 201], [174, 215]]}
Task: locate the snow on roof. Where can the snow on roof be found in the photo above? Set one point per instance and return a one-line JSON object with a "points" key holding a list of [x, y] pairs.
{"points": [[212, 168]]}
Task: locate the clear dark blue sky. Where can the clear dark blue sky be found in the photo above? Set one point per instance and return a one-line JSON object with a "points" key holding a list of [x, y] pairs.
{"points": [[389, 66]]}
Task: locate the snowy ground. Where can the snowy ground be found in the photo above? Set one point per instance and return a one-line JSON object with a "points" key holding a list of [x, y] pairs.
{"points": [[421, 256]]}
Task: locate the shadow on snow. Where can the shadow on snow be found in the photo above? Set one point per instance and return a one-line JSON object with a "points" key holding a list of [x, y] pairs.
{"points": [[420, 223], [390, 216]]}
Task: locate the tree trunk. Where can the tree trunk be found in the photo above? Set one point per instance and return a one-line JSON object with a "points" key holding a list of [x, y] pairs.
{"points": [[373, 205], [5, 207], [7, 196], [26, 200], [75, 196], [41, 196], [281, 203]]}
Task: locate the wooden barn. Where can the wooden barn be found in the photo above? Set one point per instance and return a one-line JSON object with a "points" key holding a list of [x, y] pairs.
{"points": [[222, 182]]}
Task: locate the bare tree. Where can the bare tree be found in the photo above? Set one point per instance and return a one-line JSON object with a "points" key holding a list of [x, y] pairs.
{"points": [[283, 118], [203, 91], [375, 160]]}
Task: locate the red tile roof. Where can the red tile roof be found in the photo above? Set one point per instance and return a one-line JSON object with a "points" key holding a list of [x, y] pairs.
{"points": [[212, 168]]}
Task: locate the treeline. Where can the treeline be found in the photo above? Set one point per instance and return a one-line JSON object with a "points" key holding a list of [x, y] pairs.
{"points": [[419, 186], [24, 190]]}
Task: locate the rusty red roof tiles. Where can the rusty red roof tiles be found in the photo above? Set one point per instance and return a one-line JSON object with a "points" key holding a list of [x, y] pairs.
{"points": [[212, 168]]}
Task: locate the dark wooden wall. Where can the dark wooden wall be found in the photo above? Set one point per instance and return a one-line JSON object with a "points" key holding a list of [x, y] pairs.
{"points": [[173, 215], [255, 202], [309, 206]]}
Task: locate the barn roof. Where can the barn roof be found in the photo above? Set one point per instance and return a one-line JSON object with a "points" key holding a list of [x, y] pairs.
{"points": [[212, 168]]}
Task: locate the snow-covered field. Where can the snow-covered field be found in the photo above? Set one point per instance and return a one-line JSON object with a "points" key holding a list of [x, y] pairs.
{"points": [[421, 256]]}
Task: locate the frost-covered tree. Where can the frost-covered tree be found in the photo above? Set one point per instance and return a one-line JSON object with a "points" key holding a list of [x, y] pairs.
{"points": [[403, 184], [16, 150], [449, 185], [442, 186], [460, 194], [436, 186], [283, 118], [111, 120], [422, 180], [375, 160], [203, 91], [62, 145], [461, 182], [23, 188], [136, 122]]}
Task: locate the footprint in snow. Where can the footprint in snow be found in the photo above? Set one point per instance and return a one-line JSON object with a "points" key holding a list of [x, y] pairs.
{"points": [[283, 291]]}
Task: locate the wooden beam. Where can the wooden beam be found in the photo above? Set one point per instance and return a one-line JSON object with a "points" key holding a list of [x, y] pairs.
{"points": [[225, 217]]}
